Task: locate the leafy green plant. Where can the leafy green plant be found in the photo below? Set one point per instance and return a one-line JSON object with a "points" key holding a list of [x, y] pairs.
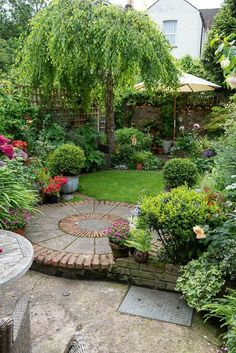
{"points": [[139, 239], [200, 282], [87, 138], [66, 160], [13, 195], [139, 157], [224, 161], [178, 171], [173, 215], [127, 142], [152, 162], [225, 309]]}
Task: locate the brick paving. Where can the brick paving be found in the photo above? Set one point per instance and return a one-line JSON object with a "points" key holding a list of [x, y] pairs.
{"points": [[72, 235]]}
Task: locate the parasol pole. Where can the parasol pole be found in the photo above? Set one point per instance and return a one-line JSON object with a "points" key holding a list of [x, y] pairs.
{"points": [[174, 132]]}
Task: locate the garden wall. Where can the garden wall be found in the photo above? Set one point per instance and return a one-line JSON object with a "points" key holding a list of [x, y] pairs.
{"points": [[153, 274]]}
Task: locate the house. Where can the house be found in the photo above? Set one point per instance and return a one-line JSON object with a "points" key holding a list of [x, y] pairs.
{"points": [[183, 25]]}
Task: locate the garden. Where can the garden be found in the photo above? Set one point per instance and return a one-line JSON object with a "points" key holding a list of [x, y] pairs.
{"points": [[183, 193]]}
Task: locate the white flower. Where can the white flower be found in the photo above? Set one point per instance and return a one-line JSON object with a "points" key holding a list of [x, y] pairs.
{"points": [[196, 126], [225, 63], [232, 81], [181, 128], [231, 187]]}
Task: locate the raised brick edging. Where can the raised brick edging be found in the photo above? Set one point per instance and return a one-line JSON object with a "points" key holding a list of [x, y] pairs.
{"points": [[71, 265]]}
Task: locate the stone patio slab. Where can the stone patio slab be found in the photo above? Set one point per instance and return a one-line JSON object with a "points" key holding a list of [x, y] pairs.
{"points": [[82, 246]]}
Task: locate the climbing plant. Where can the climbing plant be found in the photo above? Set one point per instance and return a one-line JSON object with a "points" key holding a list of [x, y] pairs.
{"points": [[86, 47]]}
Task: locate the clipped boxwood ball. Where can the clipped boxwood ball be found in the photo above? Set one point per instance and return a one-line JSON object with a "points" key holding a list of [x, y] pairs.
{"points": [[66, 160], [180, 171]]}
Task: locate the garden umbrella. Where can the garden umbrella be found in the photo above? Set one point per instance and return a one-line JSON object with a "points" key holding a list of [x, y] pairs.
{"points": [[187, 83]]}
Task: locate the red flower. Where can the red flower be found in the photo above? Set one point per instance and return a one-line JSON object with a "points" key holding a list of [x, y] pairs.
{"points": [[55, 185], [20, 144]]}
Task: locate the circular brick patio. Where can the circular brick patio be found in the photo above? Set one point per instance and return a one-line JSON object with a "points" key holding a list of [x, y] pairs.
{"points": [[89, 225], [72, 235]]}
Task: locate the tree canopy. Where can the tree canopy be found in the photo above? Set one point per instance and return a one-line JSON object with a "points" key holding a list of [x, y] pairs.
{"points": [[88, 46], [225, 25]]}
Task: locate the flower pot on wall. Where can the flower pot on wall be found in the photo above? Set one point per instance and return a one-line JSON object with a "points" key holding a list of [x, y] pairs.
{"points": [[119, 250], [166, 144], [140, 256], [71, 185]]}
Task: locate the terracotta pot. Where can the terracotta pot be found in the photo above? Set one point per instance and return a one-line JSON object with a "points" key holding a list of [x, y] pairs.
{"points": [[20, 231], [51, 199], [140, 256], [119, 250], [139, 166], [160, 150]]}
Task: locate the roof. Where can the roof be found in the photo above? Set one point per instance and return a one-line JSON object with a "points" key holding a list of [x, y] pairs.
{"points": [[184, 0], [208, 16]]}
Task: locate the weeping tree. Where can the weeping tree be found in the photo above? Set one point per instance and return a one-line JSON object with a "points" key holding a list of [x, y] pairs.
{"points": [[86, 47]]}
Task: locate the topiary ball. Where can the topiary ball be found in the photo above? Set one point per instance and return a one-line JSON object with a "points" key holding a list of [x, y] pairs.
{"points": [[66, 160], [180, 171]]}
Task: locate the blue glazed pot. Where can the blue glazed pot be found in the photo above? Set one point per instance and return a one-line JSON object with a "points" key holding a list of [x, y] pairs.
{"points": [[71, 185]]}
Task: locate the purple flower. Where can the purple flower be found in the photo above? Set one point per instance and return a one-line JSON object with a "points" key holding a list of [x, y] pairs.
{"points": [[208, 153]]}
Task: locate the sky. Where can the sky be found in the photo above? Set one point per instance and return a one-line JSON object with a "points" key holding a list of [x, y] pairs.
{"points": [[142, 4]]}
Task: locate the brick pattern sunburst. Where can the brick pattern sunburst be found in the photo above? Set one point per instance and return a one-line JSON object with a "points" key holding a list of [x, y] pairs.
{"points": [[76, 224]]}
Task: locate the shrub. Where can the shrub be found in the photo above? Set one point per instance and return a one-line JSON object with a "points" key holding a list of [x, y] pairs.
{"points": [[200, 282], [87, 138], [66, 160], [173, 215], [139, 157], [180, 171], [127, 142], [152, 162]]}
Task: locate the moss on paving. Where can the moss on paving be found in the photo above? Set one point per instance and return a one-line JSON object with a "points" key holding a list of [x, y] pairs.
{"points": [[122, 186]]}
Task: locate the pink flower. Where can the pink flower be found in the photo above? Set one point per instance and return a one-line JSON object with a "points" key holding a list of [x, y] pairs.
{"points": [[7, 150], [3, 140]]}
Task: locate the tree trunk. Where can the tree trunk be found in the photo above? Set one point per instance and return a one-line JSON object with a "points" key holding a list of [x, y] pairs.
{"points": [[110, 123]]}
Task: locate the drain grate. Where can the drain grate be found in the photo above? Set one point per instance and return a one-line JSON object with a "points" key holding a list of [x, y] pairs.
{"points": [[158, 305]]}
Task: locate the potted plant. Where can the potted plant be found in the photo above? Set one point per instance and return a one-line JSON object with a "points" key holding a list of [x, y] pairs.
{"points": [[158, 143], [139, 158], [51, 193], [17, 220], [117, 235], [67, 160], [139, 243]]}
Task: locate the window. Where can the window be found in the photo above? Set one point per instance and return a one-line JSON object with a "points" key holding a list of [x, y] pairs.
{"points": [[169, 30]]}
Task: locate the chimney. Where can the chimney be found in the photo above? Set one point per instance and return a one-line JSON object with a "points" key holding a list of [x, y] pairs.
{"points": [[129, 4]]}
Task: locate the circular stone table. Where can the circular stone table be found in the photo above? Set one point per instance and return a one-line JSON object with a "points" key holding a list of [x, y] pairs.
{"points": [[16, 258]]}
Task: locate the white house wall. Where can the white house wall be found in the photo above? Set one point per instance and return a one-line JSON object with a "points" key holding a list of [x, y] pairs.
{"points": [[189, 25]]}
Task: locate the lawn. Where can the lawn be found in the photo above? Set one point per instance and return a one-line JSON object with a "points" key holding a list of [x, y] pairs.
{"points": [[123, 186]]}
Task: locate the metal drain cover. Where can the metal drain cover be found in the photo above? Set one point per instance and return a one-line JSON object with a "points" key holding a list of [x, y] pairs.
{"points": [[158, 305]]}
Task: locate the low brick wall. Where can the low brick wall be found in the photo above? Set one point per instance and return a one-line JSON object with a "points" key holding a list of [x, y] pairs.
{"points": [[152, 274]]}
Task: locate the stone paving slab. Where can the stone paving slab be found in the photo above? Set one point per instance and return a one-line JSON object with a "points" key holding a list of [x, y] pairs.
{"points": [[78, 248]]}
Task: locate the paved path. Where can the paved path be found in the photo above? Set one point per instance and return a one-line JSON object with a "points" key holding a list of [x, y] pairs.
{"points": [[71, 235], [60, 306]]}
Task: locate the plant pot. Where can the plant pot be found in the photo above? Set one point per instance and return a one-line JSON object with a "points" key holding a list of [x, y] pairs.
{"points": [[119, 250], [166, 144], [139, 166], [140, 256], [20, 231], [160, 150], [51, 199], [71, 185]]}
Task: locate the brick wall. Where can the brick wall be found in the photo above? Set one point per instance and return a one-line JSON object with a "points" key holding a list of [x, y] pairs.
{"points": [[152, 274]]}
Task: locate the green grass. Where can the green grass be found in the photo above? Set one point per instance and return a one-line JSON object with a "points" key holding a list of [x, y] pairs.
{"points": [[123, 186]]}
